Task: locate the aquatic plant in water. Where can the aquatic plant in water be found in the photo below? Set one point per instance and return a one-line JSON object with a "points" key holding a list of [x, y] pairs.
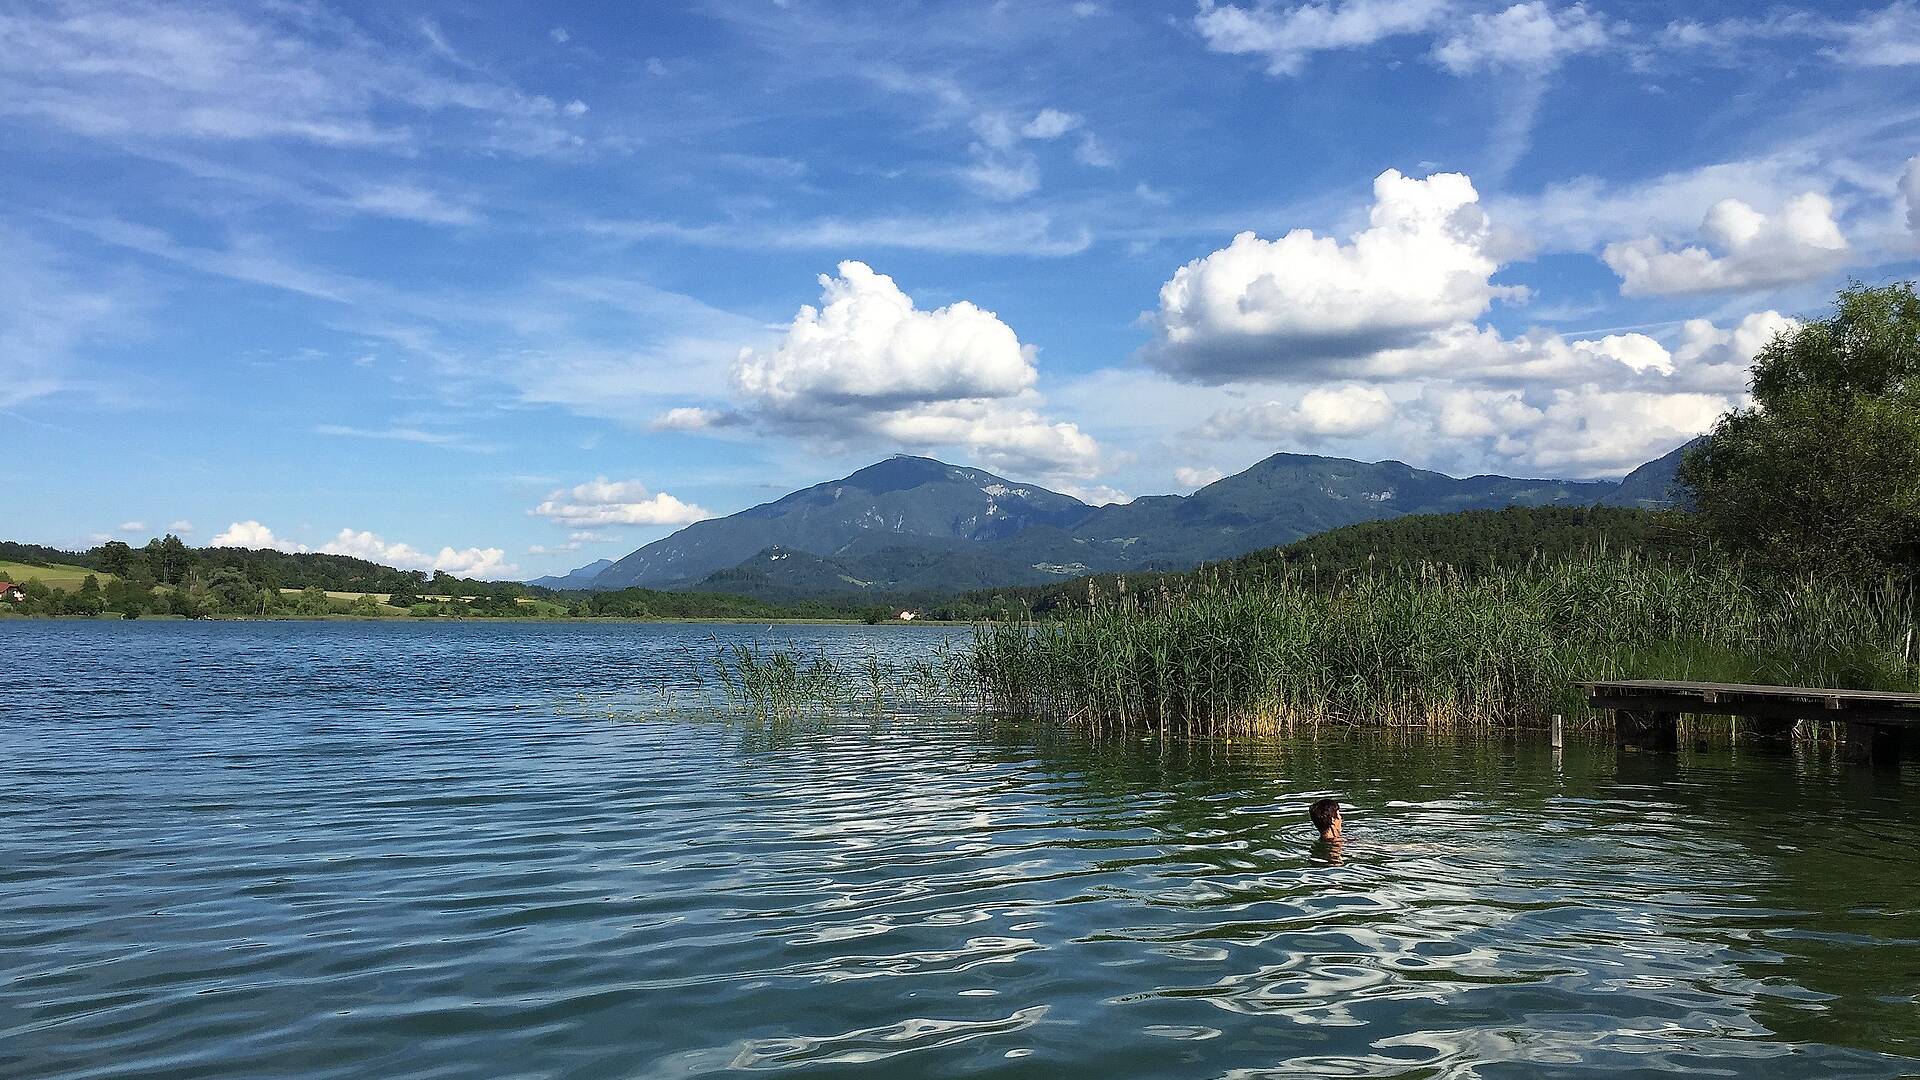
{"points": [[1430, 647]]}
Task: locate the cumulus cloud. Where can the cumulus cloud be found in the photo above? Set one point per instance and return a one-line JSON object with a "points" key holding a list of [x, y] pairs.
{"points": [[1743, 249], [465, 562], [625, 502], [868, 345], [1274, 309], [1530, 36], [867, 363], [1910, 191], [487, 563], [1580, 430], [180, 526], [252, 534], [1320, 413], [132, 527], [1286, 36]]}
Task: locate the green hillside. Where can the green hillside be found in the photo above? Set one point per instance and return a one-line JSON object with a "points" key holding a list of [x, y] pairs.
{"points": [[1472, 541], [53, 575]]}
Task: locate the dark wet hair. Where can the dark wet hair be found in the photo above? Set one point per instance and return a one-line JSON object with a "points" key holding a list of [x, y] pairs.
{"points": [[1324, 813]]}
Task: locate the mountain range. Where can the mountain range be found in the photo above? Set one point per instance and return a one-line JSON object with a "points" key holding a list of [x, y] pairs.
{"points": [[913, 525]]}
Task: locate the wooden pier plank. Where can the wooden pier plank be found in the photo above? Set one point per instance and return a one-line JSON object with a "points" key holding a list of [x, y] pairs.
{"points": [[1876, 720]]}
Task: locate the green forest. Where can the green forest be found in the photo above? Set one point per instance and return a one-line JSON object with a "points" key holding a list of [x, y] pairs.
{"points": [[166, 577]]}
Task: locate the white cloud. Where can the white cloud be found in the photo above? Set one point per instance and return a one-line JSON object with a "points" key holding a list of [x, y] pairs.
{"points": [[868, 363], [1585, 430], [560, 35], [1049, 124], [1910, 191], [1287, 35], [252, 534], [451, 440], [132, 527], [1004, 178], [369, 546], [1322, 412], [139, 71], [1745, 249], [627, 502], [1712, 359], [181, 526], [50, 313], [1002, 167], [465, 562], [1273, 309], [408, 202], [485, 563], [695, 418], [1196, 476], [1889, 37], [1031, 233], [1529, 36], [1886, 38], [1094, 494], [868, 346]]}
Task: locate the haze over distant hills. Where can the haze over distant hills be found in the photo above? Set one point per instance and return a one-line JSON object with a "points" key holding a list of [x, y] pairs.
{"points": [[916, 525]]}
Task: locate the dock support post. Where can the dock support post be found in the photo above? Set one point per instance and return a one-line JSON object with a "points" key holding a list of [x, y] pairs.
{"points": [[1870, 744], [1647, 729], [1559, 725]]}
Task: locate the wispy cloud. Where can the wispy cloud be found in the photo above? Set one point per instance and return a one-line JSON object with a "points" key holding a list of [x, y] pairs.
{"points": [[293, 71], [449, 440]]}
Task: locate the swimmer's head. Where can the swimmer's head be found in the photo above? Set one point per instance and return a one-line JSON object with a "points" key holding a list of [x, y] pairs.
{"points": [[1326, 818]]}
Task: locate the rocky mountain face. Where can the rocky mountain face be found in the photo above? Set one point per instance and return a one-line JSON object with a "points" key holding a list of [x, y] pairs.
{"points": [[915, 525]]}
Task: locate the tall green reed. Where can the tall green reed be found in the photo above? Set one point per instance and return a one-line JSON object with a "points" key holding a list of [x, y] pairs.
{"points": [[1428, 646]]}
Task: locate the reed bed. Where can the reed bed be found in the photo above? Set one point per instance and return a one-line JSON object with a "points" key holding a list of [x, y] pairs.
{"points": [[783, 685], [1429, 647]]}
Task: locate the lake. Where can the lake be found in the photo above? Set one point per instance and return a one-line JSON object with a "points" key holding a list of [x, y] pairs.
{"points": [[483, 849]]}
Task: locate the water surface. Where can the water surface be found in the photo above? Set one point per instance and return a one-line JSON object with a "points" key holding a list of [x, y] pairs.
{"points": [[488, 849]]}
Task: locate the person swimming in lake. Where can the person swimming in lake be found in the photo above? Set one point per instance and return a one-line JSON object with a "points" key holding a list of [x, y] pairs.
{"points": [[1325, 815]]}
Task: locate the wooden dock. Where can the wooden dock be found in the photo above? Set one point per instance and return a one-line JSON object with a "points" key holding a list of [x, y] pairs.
{"points": [[1647, 712]]}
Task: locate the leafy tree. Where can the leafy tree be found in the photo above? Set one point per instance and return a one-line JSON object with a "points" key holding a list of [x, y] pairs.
{"points": [[314, 601], [232, 592], [363, 605], [1823, 471], [88, 600], [168, 558], [114, 557]]}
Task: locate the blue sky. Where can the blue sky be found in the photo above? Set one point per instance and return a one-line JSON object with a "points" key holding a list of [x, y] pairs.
{"points": [[505, 289]]}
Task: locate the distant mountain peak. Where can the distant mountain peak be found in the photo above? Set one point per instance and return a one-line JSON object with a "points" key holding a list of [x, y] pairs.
{"points": [[900, 473], [913, 522]]}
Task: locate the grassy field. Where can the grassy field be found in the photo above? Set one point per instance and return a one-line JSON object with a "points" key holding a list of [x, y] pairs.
{"points": [[57, 576]]}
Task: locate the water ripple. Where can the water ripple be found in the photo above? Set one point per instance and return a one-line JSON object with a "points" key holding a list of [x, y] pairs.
{"points": [[349, 850]]}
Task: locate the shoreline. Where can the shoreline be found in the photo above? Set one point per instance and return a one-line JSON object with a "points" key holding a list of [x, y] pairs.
{"points": [[517, 619]]}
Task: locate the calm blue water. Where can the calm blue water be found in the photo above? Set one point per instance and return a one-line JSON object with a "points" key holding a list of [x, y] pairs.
{"points": [[504, 850]]}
